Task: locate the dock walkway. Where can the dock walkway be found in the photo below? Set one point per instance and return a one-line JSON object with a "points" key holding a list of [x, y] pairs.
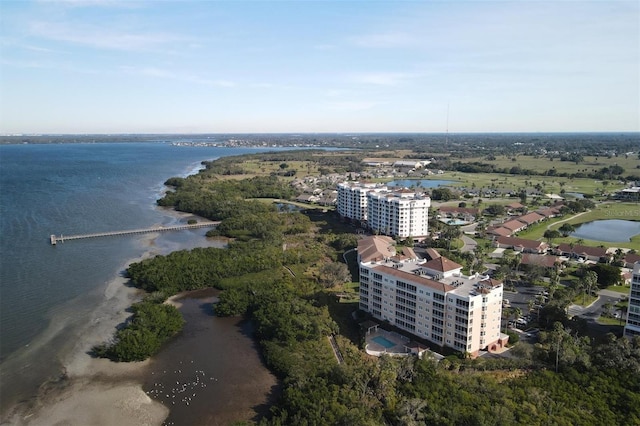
{"points": [[54, 239]]}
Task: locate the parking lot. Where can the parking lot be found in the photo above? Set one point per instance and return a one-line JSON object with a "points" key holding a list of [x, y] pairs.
{"points": [[520, 299]]}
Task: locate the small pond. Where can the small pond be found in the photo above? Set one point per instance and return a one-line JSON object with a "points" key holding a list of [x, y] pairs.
{"points": [[421, 183], [286, 207], [610, 230], [574, 194]]}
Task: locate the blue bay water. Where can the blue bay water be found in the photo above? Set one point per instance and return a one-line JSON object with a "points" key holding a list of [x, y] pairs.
{"points": [[74, 189]]}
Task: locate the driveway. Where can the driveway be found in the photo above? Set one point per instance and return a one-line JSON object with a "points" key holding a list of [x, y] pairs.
{"points": [[469, 244], [594, 310]]}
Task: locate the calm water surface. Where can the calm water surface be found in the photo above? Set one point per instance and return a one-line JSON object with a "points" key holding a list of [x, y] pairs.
{"points": [[610, 230], [47, 292], [421, 183]]}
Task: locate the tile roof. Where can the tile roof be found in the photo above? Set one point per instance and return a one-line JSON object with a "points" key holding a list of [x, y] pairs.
{"points": [[530, 218], [376, 247], [441, 264], [432, 253], [500, 230], [632, 258], [578, 249], [546, 261], [513, 225], [522, 242]]}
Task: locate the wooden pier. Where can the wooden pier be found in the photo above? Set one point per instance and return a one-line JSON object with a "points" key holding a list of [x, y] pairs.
{"points": [[62, 238]]}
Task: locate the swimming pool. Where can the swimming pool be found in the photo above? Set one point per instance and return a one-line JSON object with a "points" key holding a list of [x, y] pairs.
{"points": [[381, 340], [455, 222]]}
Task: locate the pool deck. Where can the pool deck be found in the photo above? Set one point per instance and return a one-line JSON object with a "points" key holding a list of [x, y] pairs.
{"points": [[377, 349]]}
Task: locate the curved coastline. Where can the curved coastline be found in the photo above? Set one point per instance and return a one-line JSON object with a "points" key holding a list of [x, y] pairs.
{"points": [[97, 391], [87, 390]]}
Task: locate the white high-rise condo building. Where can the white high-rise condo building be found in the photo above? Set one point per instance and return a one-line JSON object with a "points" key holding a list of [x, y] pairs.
{"points": [[632, 327], [352, 199], [431, 299], [397, 212]]}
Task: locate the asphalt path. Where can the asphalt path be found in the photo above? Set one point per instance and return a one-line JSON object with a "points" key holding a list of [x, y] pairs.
{"points": [[594, 310], [469, 244]]}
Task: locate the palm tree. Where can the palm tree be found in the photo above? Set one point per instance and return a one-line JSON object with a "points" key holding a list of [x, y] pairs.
{"points": [[588, 282], [618, 256]]}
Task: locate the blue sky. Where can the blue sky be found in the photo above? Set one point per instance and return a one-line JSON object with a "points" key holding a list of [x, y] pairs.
{"points": [[107, 66]]}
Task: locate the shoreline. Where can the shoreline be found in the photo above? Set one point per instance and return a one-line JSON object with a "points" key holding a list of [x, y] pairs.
{"points": [[81, 379], [88, 390], [72, 387]]}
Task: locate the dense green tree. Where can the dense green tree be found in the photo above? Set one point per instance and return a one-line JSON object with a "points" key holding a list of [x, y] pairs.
{"points": [[607, 275], [442, 194], [333, 274], [151, 325], [566, 229], [551, 234], [494, 210]]}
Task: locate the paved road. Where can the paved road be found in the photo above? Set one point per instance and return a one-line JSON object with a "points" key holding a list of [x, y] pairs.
{"points": [[594, 310], [469, 244]]}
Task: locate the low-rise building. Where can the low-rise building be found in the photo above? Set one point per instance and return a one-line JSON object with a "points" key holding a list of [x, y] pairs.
{"points": [[521, 244], [530, 218], [542, 260], [514, 225], [596, 254]]}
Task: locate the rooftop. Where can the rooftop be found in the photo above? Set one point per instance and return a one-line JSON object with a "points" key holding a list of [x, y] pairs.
{"points": [[458, 284]]}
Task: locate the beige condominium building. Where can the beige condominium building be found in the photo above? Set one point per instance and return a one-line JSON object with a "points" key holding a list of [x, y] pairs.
{"points": [[632, 327], [431, 299], [397, 212]]}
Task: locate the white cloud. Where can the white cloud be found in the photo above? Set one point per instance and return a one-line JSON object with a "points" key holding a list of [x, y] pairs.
{"points": [[92, 3], [351, 105], [178, 76], [104, 38], [384, 40], [381, 78]]}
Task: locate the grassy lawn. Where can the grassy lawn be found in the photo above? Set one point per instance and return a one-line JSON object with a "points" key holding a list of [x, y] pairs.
{"points": [[589, 165], [610, 321], [584, 300], [620, 288], [549, 184]]}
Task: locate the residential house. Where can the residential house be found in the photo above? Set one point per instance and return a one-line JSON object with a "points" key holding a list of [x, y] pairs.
{"points": [[514, 225], [498, 231], [521, 244], [596, 254], [630, 259], [542, 260], [530, 218], [467, 213]]}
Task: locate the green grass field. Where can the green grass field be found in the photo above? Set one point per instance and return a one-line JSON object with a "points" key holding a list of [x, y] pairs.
{"points": [[588, 165], [548, 184], [610, 321], [624, 289]]}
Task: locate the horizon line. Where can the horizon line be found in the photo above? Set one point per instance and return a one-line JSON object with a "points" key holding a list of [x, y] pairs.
{"points": [[319, 133]]}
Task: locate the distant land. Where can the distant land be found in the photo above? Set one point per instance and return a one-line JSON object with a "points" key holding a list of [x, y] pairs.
{"points": [[626, 141]]}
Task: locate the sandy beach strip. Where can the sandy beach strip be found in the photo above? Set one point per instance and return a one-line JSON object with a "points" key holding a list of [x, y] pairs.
{"points": [[222, 369], [83, 380]]}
